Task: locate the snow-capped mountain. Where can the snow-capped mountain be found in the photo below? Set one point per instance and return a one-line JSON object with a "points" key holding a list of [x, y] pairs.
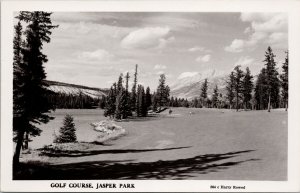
{"points": [[59, 87], [188, 84]]}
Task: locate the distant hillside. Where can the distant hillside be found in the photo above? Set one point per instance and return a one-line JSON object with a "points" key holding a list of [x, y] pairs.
{"points": [[66, 88]]}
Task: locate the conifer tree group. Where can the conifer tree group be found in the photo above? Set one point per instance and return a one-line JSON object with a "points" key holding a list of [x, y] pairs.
{"points": [[121, 104], [265, 93]]}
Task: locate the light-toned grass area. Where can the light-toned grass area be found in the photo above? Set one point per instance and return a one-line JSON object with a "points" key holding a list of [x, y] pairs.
{"points": [[259, 137]]}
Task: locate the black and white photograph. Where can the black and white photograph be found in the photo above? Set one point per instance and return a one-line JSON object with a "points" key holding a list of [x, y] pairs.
{"points": [[148, 95]]}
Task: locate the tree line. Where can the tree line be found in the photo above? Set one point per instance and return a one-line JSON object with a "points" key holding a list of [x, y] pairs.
{"points": [[269, 91], [74, 101]]}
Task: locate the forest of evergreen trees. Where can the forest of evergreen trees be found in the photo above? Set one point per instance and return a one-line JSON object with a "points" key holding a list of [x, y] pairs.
{"points": [[72, 101], [120, 103]]}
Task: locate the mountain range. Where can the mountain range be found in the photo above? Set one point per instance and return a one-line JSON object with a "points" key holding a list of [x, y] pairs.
{"points": [[189, 86]]}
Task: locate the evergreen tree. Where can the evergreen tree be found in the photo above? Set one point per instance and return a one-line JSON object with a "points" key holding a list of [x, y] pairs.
{"points": [[186, 103], [203, 95], [247, 87], [271, 79], [121, 99], [67, 131], [176, 103], [102, 102], [119, 104], [171, 103], [215, 95], [260, 94], [167, 95], [18, 78], [238, 75], [31, 104], [120, 84], [154, 102], [141, 102], [110, 105], [285, 81], [17, 68], [133, 97], [163, 92], [148, 98], [126, 102], [230, 89]]}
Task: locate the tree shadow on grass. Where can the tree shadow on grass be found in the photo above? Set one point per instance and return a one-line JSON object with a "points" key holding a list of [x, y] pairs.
{"points": [[77, 153], [160, 170]]}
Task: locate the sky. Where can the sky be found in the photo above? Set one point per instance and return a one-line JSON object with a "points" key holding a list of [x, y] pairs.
{"points": [[92, 49]]}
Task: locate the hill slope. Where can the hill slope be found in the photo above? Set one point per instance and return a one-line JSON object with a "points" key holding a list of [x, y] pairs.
{"points": [[66, 88]]}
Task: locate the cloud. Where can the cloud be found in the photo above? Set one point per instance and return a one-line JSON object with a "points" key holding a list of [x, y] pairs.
{"points": [[266, 28], [160, 72], [236, 45], [255, 16], [98, 55], [159, 67], [148, 37], [244, 61], [187, 74], [278, 39], [198, 48], [205, 58]]}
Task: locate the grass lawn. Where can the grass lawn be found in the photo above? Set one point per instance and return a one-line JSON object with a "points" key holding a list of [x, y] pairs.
{"points": [[209, 144]]}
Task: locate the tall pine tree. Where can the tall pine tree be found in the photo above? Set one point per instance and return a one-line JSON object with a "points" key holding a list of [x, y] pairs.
{"points": [[230, 89], [260, 94], [163, 92], [126, 101], [238, 86], [133, 97], [247, 88], [33, 106], [110, 106], [215, 96], [285, 81], [141, 102], [203, 95], [154, 102], [271, 79], [120, 104], [148, 98]]}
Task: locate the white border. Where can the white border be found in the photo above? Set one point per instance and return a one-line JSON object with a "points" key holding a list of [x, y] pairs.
{"points": [[292, 7]]}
